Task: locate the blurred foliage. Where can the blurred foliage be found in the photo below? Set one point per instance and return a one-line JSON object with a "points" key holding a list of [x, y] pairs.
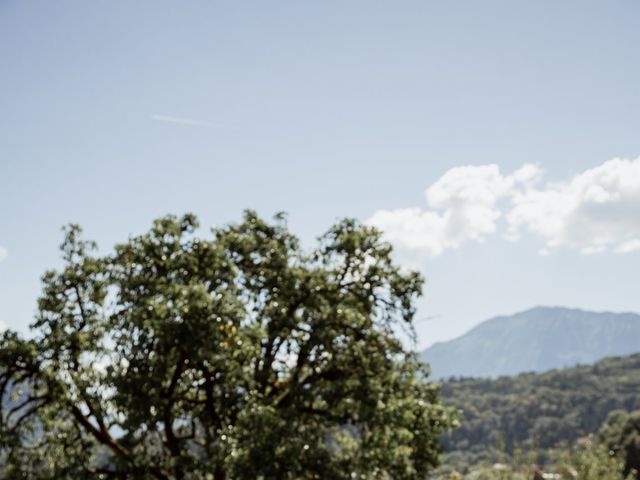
{"points": [[239, 356], [621, 435], [587, 460]]}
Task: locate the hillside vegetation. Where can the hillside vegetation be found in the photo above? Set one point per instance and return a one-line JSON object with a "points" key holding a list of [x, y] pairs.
{"points": [[536, 413]]}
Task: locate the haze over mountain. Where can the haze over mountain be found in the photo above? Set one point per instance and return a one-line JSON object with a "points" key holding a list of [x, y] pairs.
{"points": [[535, 340]]}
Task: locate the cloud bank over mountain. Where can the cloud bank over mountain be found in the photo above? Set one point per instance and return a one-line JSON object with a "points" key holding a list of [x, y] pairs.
{"points": [[592, 212]]}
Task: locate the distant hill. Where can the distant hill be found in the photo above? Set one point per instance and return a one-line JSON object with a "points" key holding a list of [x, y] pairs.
{"points": [[534, 341], [537, 411]]}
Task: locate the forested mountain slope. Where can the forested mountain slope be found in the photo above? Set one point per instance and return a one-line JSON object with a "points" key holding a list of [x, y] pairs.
{"points": [[538, 411]]}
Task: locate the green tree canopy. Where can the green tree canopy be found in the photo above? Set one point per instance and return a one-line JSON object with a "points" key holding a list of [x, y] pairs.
{"points": [[621, 434], [240, 356]]}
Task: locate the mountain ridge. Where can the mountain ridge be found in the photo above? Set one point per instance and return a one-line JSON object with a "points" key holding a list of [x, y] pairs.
{"points": [[535, 340]]}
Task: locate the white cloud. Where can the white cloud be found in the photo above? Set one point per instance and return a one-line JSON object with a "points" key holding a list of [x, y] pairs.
{"points": [[595, 211], [462, 206], [183, 121], [628, 246]]}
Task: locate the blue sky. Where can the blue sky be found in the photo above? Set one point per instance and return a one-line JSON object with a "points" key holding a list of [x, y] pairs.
{"points": [[114, 113]]}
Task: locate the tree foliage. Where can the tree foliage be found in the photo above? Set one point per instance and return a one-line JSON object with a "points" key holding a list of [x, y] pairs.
{"points": [[621, 434], [240, 356]]}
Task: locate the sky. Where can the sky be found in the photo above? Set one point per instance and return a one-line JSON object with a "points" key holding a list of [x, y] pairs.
{"points": [[495, 143]]}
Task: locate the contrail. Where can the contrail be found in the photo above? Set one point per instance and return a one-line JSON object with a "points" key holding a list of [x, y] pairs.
{"points": [[183, 121]]}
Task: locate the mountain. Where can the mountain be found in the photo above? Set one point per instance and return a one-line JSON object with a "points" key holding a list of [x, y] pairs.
{"points": [[535, 340]]}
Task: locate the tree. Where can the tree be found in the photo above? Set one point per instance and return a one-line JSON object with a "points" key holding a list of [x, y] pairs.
{"points": [[621, 434], [235, 357]]}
